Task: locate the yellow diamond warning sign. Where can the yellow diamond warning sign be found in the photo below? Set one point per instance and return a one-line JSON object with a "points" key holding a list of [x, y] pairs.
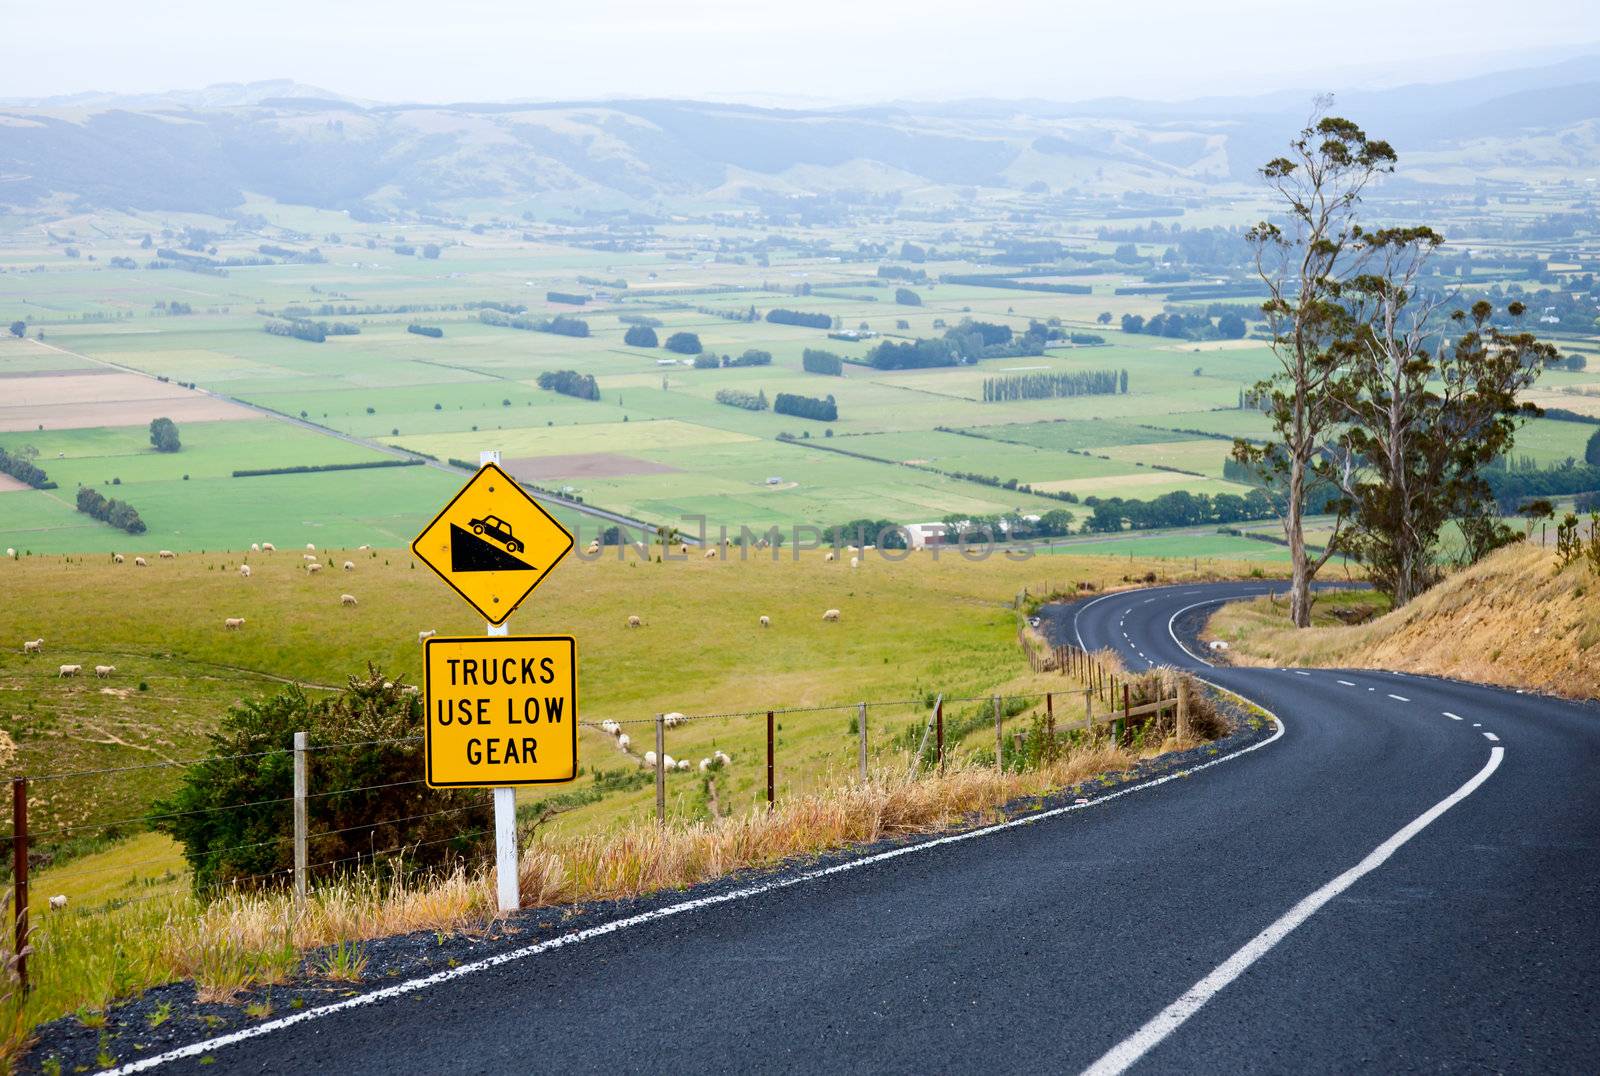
{"points": [[493, 543], [501, 710]]}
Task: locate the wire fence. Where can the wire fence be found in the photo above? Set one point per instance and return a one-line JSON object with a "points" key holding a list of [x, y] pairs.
{"points": [[403, 823]]}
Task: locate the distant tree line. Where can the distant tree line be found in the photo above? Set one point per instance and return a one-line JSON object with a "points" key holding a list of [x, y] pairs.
{"points": [[1176, 509], [640, 319], [119, 514], [788, 403], [991, 280], [900, 272], [425, 330], [23, 469], [907, 297], [753, 356], [1180, 326], [571, 298], [750, 401], [319, 468], [570, 383], [561, 324], [1044, 386], [815, 361], [798, 317]]}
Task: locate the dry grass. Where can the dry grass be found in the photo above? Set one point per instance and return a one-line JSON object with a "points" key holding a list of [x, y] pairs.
{"points": [[1513, 619]]}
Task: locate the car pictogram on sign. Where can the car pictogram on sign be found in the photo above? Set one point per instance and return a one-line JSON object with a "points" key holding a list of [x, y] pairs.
{"points": [[498, 529]]}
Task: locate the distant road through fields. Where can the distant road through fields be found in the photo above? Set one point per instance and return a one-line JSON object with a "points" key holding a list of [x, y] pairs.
{"points": [[1402, 879]]}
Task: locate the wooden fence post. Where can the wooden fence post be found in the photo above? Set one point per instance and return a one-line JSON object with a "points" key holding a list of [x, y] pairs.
{"points": [[1050, 724], [300, 819], [19, 873], [661, 770], [771, 749], [1122, 725], [938, 727], [1183, 707], [999, 737], [1088, 711], [861, 720]]}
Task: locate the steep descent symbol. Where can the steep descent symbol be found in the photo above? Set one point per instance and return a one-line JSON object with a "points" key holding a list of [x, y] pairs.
{"points": [[469, 553]]}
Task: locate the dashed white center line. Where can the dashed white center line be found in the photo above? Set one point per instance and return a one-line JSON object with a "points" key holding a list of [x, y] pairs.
{"points": [[1477, 724], [1399, 698], [1347, 683], [1491, 736], [1297, 672], [1372, 689], [1147, 601], [1451, 716]]}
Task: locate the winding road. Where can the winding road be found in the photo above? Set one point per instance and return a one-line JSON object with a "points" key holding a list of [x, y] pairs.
{"points": [[1404, 877]]}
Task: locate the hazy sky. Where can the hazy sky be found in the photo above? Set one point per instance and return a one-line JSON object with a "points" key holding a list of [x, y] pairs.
{"points": [[826, 50]]}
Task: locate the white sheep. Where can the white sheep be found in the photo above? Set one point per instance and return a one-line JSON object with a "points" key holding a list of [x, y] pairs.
{"points": [[711, 554], [117, 558], [167, 554], [635, 622], [347, 599], [722, 758], [33, 646], [683, 764], [310, 548], [139, 562], [349, 565], [69, 670], [855, 562], [831, 614], [58, 902], [268, 547], [12, 553], [244, 570], [309, 558], [683, 548], [705, 765], [593, 548], [410, 689], [255, 547], [313, 568], [1218, 644], [362, 548], [649, 758], [423, 636], [233, 623], [672, 720], [830, 557], [610, 727], [765, 622], [104, 671], [623, 741], [668, 762]]}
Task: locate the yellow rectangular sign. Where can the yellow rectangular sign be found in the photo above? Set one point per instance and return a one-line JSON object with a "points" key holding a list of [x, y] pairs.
{"points": [[501, 710]]}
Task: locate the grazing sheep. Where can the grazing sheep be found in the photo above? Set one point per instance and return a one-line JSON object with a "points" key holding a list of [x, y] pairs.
{"points": [[610, 727], [673, 720], [593, 548], [855, 562], [635, 622], [33, 646], [347, 599], [104, 671], [831, 614], [349, 565], [683, 764], [233, 623], [683, 548], [58, 902], [268, 547], [765, 622], [362, 548], [668, 762], [830, 558], [310, 548], [167, 554], [422, 636], [718, 756], [12, 553], [255, 547], [1218, 644], [309, 558], [649, 758], [69, 670], [410, 689], [313, 568], [711, 554], [623, 741], [117, 558], [139, 562], [244, 570]]}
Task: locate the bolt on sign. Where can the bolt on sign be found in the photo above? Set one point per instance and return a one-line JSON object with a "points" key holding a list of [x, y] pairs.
{"points": [[502, 710], [493, 543]]}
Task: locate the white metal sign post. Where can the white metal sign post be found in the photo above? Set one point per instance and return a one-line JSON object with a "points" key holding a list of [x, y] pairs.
{"points": [[507, 880]]}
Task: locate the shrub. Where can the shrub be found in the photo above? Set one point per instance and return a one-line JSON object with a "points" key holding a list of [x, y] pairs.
{"points": [[752, 357], [570, 383], [684, 343], [234, 816], [164, 435], [640, 336], [750, 401], [425, 330]]}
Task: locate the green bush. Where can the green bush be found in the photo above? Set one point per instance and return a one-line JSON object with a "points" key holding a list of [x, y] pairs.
{"points": [[233, 811]]}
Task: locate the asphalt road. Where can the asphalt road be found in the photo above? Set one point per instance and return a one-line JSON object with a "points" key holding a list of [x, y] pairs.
{"points": [[1383, 887]]}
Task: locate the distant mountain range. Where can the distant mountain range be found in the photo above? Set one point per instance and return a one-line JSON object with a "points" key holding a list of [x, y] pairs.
{"points": [[204, 150]]}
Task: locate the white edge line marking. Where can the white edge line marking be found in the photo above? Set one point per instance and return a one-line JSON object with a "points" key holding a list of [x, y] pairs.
{"points": [[1451, 716], [1347, 683], [1126, 1053], [413, 985], [1491, 737], [1399, 698]]}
